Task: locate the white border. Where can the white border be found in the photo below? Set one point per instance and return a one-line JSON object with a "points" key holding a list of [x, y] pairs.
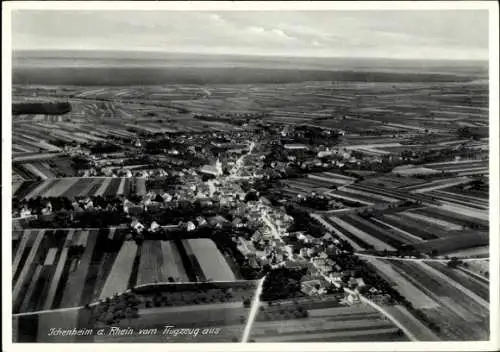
{"points": [[492, 6]]}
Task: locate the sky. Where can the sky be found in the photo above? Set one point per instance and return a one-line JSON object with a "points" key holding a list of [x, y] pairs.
{"points": [[444, 34]]}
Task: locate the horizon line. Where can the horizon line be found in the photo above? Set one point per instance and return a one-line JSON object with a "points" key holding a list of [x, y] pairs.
{"points": [[482, 60]]}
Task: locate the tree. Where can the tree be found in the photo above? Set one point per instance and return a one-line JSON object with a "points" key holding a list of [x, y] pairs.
{"points": [[247, 303]]}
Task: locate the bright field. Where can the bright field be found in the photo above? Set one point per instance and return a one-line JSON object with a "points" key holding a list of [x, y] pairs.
{"points": [[81, 187]]}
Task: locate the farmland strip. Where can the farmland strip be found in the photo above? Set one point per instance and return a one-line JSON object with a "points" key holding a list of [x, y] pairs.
{"points": [[26, 187], [356, 243], [20, 252], [28, 296], [62, 185], [86, 191], [49, 300], [434, 221], [360, 234], [73, 191], [27, 265], [408, 237], [350, 197], [373, 230], [76, 281], [213, 264], [399, 223], [140, 186], [113, 187], [121, 187], [172, 263], [195, 265], [118, 278], [40, 191], [367, 194], [469, 282], [457, 285], [104, 185], [451, 217]]}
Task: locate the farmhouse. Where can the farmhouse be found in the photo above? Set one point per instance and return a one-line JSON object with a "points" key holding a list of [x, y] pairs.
{"points": [[136, 225]]}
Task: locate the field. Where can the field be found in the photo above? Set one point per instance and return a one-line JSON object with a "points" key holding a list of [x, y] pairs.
{"points": [[68, 268], [213, 265], [357, 323], [461, 307], [428, 229], [60, 268], [383, 119], [74, 187], [225, 318]]}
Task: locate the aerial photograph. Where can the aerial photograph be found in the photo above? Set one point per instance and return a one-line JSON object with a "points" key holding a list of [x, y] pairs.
{"points": [[250, 176]]}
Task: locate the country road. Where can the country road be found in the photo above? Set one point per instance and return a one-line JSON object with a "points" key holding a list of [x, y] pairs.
{"points": [[422, 260]]}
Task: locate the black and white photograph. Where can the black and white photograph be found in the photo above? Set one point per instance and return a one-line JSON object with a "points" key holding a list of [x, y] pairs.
{"points": [[251, 173]]}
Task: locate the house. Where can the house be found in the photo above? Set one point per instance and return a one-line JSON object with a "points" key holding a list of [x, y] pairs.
{"points": [[154, 227], [190, 226], [201, 221], [136, 225], [360, 282], [25, 212], [166, 197], [302, 237], [245, 247], [353, 298]]}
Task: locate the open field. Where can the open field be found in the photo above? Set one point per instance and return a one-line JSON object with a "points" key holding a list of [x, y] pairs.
{"points": [[69, 268], [225, 319], [400, 174], [462, 313], [73, 187], [356, 323]]}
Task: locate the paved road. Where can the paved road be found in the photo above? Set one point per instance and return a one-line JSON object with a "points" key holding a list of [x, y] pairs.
{"points": [[422, 260]]}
